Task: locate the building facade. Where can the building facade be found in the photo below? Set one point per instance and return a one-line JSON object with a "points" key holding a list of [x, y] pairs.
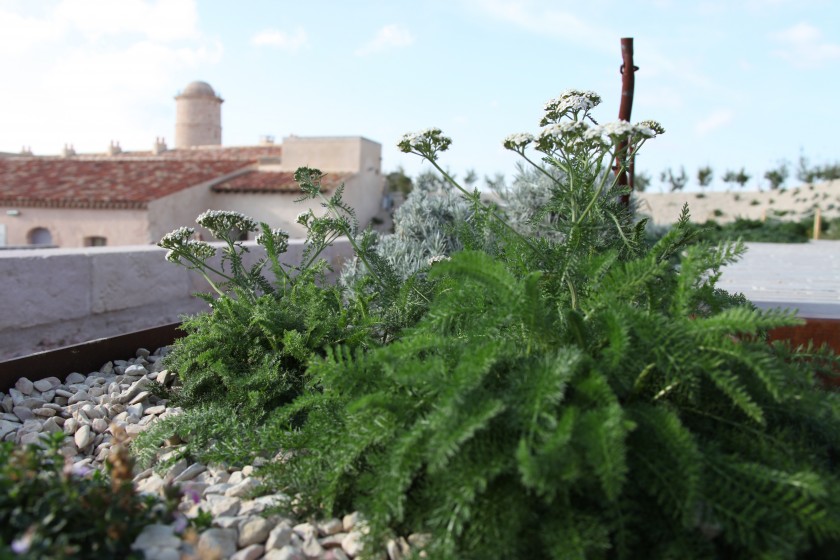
{"points": [[135, 197]]}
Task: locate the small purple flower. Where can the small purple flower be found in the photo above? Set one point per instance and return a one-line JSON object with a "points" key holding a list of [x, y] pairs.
{"points": [[180, 524], [193, 494], [21, 544]]}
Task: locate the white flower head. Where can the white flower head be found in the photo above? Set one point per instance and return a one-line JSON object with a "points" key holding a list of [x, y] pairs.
{"points": [[304, 217], [176, 238], [569, 103], [222, 222], [438, 258], [279, 240], [517, 142], [426, 142]]}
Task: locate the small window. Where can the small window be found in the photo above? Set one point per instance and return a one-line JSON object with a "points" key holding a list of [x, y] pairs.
{"points": [[39, 236], [95, 241]]}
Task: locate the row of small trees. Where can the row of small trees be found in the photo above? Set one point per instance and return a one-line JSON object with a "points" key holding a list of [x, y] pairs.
{"points": [[775, 177]]}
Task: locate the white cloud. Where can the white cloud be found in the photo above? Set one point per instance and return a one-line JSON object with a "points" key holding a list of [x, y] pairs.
{"points": [[549, 21], [715, 120], [161, 20], [280, 39], [804, 46], [390, 36], [88, 77]]}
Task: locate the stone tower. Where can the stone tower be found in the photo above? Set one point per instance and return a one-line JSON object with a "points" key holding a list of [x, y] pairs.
{"points": [[198, 116]]}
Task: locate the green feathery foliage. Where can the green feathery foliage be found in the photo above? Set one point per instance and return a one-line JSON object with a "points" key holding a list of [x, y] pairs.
{"points": [[573, 394]]}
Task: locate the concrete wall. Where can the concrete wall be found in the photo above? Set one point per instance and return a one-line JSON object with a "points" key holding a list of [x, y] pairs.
{"points": [[183, 207], [55, 297], [70, 226], [348, 154], [363, 192]]}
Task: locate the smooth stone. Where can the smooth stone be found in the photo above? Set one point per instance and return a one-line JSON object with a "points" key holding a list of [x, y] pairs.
{"points": [[352, 544], [17, 397], [52, 425], [333, 541], [236, 477], [393, 550], [134, 429], [9, 417], [251, 508], [228, 521], [224, 506], [151, 485], [64, 393], [330, 527], [136, 370], [165, 377], [8, 403], [74, 378], [279, 537], [96, 392], [312, 548], [190, 472], [47, 384], [70, 426], [305, 531], [337, 554], [33, 402], [135, 410], [142, 353], [156, 535], [7, 427], [287, 552], [23, 413], [84, 437], [155, 410], [254, 531], [30, 438], [24, 385], [78, 396], [243, 488], [48, 396], [350, 520], [44, 412], [251, 552], [219, 488], [99, 425], [54, 406], [140, 397], [176, 469], [217, 543], [107, 368]]}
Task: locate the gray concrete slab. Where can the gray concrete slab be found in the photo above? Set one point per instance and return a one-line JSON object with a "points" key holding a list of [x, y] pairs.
{"points": [[801, 276]]}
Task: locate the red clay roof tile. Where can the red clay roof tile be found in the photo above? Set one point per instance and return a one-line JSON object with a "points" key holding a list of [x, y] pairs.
{"points": [[274, 182]]}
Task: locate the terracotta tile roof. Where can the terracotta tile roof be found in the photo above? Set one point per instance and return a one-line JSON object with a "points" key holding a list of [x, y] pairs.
{"points": [[274, 182], [250, 153], [113, 182]]}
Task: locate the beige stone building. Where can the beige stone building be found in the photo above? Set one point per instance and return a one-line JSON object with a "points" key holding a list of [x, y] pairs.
{"points": [[135, 197]]}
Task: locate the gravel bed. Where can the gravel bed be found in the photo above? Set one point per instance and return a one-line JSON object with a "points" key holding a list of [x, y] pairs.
{"points": [[89, 409]]}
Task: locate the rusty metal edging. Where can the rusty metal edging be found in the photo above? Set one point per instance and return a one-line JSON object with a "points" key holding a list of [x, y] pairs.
{"points": [[85, 357]]}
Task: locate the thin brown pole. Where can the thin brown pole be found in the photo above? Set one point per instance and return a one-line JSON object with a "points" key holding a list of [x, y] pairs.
{"points": [[628, 84]]}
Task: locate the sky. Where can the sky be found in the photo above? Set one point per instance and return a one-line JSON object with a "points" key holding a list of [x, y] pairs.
{"points": [[735, 83]]}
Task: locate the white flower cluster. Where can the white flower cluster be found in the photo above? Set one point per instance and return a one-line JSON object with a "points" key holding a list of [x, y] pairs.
{"points": [[619, 131], [425, 142], [570, 136], [438, 258], [304, 217], [654, 126], [176, 238], [570, 102], [280, 239], [222, 222], [518, 141]]}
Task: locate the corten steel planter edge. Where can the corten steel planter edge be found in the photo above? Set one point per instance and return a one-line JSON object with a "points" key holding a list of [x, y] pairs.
{"points": [[85, 357]]}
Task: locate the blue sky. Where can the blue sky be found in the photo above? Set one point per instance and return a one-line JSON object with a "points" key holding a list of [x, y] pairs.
{"points": [[735, 83]]}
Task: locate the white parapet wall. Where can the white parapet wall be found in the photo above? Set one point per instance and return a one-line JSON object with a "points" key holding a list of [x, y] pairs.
{"points": [[55, 297]]}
